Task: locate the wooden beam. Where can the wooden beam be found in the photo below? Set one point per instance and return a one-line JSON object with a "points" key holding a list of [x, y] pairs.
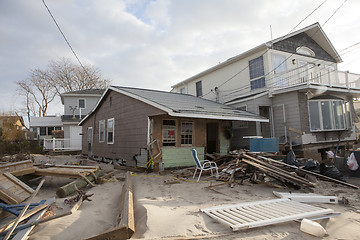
{"points": [[24, 210], [311, 173], [18, 182], [125, 221]]}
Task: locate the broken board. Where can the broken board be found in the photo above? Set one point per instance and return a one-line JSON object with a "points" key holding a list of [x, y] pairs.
{"points": [[263, 213], [12, 190]]}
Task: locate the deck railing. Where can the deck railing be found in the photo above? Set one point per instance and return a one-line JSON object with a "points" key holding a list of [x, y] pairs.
{"points": [[61, 144], [312, 74]]}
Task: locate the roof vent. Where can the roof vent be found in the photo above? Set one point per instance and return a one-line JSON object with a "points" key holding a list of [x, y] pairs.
{"points": [[199, 107]]}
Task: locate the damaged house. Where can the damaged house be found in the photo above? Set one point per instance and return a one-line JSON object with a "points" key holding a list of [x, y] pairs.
{"points": [[127, 122], [294, 82]]}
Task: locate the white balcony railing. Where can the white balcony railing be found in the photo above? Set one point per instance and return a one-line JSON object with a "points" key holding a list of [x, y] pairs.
{"points": [[61, 144], [311, 74]]}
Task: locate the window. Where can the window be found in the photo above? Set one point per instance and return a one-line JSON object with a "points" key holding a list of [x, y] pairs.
{"points": [[198, 89], [169, 132], [182, 90], [42, 131], [110, 131], [327, 115], [57, 128], [256, 70], [187, 133], [102, 131], [49, 130], [279, 64], [305, 51], [81, 103]]}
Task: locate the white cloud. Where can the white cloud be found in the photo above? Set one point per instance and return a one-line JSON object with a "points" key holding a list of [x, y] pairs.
{"points": [[154, 43]]}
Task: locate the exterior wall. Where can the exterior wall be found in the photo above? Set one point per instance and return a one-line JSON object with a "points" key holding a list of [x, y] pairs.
{"points": [[70, 101], [289, 102], [180, 157], [130, 127], [238, 72]]}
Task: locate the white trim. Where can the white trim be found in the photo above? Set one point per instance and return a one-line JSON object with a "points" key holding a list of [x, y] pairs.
{"points": [[219, 117], [113, 131]]}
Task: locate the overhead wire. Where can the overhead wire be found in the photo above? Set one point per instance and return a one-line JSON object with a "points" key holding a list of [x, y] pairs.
{"points": [[66, 40], [248, 86], [268, 49]]}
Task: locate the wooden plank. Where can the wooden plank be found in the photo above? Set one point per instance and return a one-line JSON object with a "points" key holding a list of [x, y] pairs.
{"points": [[125, 222], [28, 213], [23, 210], [23, 172], [22, 235], [309, 172], [63, 172], [8, 197], [19, 183]]}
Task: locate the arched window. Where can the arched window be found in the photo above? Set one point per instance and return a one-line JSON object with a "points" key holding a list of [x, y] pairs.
{"points": [[305, 51]]}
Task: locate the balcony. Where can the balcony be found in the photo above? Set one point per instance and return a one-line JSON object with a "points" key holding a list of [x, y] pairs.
{"points": [[313, 76]]}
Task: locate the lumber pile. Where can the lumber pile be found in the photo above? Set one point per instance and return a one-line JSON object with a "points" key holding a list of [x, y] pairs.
{"points": [[257, 168]]}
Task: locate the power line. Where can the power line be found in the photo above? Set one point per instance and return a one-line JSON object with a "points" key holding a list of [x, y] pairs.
{"points": [[68, 43], [248, 85], [268, 49]]}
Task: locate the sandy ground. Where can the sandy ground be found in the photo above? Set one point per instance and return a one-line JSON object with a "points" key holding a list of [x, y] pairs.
{"points": [[171, 211]]}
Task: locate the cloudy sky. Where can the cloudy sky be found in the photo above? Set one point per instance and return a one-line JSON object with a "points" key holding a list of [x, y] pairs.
{"points": [[156, 43]]}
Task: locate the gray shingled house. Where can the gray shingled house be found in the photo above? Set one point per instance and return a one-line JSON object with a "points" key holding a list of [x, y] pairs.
{"points": [[126, 122]]}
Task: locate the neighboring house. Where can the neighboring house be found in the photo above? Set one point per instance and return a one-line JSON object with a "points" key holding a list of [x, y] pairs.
{"points": [[77, 104], [11, 128], [293, 81], [128, 121], [43, 127]]}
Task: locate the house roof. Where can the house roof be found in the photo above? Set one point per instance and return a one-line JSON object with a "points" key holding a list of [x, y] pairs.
{"points": [[183, 105], [83, 93], [314, 31], [48, 121]]}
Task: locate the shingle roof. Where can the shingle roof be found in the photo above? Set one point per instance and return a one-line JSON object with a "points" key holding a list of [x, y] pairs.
{"points": [[48, 121], [184, 105]]}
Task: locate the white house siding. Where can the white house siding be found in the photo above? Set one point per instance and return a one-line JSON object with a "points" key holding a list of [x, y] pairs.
{"points": [[72, 101], [237, 71]]}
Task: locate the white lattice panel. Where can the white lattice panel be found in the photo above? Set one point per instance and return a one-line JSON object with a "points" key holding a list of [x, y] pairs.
{"points": [[262, 213]]}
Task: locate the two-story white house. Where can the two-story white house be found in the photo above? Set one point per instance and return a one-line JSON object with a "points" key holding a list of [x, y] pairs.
{"points": [[77, 104], [293, 81]]}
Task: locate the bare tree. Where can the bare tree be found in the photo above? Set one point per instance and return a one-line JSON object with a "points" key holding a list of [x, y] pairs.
{"points": [[37, 90], [67, 76], [42, 86]]}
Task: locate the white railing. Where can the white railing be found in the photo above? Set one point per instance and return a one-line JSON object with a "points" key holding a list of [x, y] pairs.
{"points": [[61, 144], [311, 74]]}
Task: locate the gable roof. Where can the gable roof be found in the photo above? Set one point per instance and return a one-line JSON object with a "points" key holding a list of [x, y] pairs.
{"points": [[182, 105], [314, 31], [82, 93]]}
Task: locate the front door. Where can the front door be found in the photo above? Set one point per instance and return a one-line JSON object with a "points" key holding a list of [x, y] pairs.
{"points": [[90, 140], [212, 130]]}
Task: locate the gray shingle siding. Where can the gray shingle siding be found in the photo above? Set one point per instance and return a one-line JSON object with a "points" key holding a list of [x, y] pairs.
{"points": [[302, 39]]}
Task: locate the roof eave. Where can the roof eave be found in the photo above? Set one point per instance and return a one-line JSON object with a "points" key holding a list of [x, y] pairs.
{"points": [[219, 117]]}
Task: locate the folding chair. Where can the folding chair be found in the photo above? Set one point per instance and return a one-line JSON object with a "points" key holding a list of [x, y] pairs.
{"points": [[203, 165]]}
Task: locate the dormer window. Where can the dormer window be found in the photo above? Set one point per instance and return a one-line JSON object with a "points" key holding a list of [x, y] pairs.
{"points": [[305, 51]]}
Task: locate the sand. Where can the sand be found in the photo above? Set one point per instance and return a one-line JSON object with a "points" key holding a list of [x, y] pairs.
{"points": [[171, 211]]}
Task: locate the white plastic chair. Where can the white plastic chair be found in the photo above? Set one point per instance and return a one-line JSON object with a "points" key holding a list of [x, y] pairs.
{"points": [[206, 165]]}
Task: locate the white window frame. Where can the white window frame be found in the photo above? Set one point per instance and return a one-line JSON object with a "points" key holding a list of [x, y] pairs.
{"points": [[113, 131], [78, 103], [182, 90], [102, 129], [332, 115], [166, 128], [256, 78], [183, 135]]}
